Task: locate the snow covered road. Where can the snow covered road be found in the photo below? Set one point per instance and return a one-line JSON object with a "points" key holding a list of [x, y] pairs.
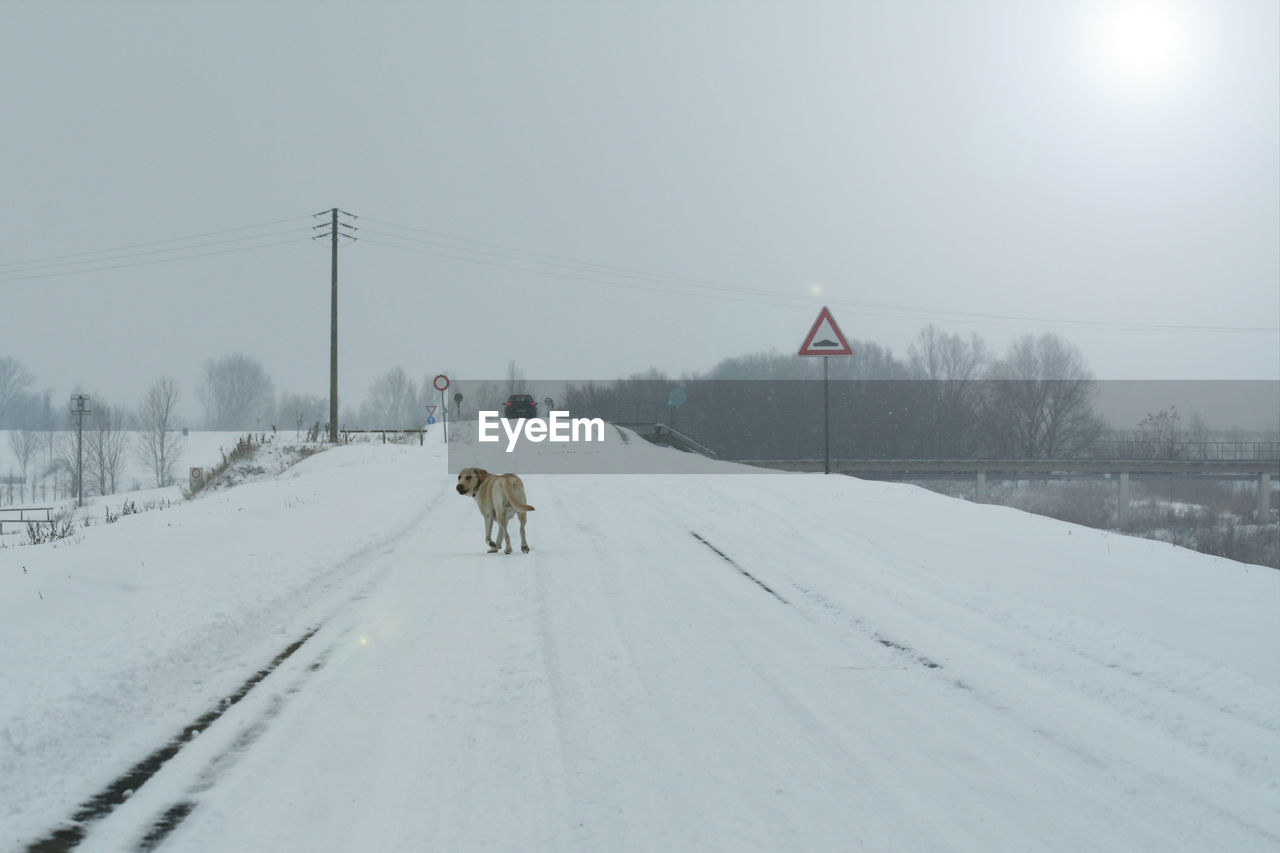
{"points": [[683, 662]]}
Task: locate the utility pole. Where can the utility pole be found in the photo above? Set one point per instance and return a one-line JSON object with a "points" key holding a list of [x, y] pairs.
{"points": [[334, 233], [80, 408]]}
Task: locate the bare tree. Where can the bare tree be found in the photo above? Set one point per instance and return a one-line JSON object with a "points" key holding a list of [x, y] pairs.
{"points": [[104, 446], [15, 379], [392, 402], [476, 396], [66, 463], [237, 393], [950, 396], [24, 443], [158, 442], [302, 410], [943, 357], [515, 379], [765, 365], [592, 399], [869, 361], [1040, 402], [1160, 436]]}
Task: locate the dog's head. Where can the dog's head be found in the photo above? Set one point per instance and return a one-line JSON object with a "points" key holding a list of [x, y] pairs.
{"points": [[469, 480]]}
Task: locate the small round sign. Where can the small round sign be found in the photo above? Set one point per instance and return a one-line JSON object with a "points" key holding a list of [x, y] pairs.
{"points": [[441, 382], [430, 421], [548, 403], [196, 473], [457, 398]]}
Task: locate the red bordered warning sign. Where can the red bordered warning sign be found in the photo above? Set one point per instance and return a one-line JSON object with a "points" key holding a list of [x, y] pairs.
{"points": [[825, 338]]}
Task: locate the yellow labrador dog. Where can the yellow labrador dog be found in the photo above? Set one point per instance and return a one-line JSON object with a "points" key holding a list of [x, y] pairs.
{"points": [[499, 497]]}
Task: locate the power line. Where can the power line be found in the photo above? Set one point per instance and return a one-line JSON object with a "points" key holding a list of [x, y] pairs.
{"points": [[534, 256], [583, 266], [467, 250], [104, 267], [558, 266], [97, 263], [151, 243], [654, 288]]}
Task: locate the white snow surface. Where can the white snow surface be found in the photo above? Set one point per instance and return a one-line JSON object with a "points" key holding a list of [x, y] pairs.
{"points": [[683, 662]]}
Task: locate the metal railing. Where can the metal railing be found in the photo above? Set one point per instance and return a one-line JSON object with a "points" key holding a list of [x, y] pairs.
{"points": [[344, 435], [1208, 451], [19, 515]]}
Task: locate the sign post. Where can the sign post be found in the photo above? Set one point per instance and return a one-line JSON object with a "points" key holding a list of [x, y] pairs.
{"points": [[441, 384], [676, 398], [825, 339]]}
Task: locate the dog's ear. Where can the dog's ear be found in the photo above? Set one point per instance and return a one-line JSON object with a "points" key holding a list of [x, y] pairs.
{"points": [[482, 475]]}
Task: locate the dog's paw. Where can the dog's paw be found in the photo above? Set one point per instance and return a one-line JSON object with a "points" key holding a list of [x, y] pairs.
{"points": [[492, 544], [508, 551], [524, 549], [493, 550]]}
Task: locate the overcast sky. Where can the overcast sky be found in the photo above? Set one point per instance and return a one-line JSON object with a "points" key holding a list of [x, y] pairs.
{"points": [[596, 188]]}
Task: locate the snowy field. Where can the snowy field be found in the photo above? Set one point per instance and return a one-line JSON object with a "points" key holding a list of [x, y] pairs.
{"points": [[327, 659], [199, 449]]}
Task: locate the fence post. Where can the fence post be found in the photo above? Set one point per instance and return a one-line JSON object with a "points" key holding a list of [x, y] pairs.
{"points": [[1264, 497], [981, 494]]}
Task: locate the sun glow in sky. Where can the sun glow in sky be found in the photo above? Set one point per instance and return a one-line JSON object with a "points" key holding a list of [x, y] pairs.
{"points": [[1103, 170], [1142, 47]]}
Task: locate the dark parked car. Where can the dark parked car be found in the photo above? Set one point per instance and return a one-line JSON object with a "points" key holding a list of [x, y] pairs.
{"points": [[520, 406]]}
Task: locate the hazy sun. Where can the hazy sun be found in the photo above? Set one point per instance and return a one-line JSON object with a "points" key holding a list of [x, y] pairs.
{"points": [[1141, 46]]}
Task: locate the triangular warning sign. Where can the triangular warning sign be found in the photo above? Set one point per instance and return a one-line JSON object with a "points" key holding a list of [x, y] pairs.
{"points": [[431, 410], [825, 338]]}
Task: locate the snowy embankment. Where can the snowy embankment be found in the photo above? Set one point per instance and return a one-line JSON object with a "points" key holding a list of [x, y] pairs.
{"points": [[684, 661], [118, 635]]}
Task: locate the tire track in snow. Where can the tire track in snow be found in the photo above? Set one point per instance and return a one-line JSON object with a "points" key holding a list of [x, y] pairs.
{"points": [[995, 652], [745, 573], [881, 639], [876, 635], [100, 806], [118, 791], [173, 817]]}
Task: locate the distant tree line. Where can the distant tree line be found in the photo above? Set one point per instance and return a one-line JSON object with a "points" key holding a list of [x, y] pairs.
{"points": [[948, 399], [43, 440], [236, 392]]}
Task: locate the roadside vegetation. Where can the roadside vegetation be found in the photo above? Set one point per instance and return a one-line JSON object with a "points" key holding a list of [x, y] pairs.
{"points": [[1209, 516]]}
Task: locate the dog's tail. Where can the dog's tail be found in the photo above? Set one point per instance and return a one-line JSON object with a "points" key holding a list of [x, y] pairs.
{"points": [[520, 506]]}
